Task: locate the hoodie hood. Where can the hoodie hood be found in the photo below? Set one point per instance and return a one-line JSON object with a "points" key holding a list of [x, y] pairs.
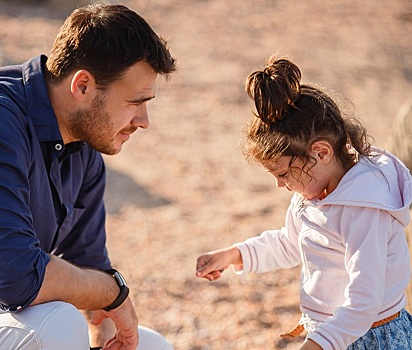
{"points": [[383, 182]]}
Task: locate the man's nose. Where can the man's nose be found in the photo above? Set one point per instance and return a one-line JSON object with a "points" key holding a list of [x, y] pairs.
{"points": [[141, 118]]}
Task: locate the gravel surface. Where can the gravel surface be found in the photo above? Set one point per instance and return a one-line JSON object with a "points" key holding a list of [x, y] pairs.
{"points": [[182, 187]]}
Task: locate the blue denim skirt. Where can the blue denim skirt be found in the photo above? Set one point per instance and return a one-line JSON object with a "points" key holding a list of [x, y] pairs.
{"points": [[394, 335]]}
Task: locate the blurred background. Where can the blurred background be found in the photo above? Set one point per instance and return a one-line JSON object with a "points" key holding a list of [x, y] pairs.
{"points": [[182, 187]]}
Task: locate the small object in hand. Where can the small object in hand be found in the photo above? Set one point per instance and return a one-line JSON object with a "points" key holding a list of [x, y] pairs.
{"points": [[295, 332]]}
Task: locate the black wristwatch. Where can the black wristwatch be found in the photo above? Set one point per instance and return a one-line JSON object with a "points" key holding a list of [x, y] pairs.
{"points": [[124, 289]]}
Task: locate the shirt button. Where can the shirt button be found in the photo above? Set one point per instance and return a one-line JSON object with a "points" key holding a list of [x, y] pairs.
{"points": [[58, 147]]}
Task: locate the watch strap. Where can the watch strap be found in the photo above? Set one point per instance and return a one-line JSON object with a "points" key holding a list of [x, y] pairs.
{"points": [[124, 290]]}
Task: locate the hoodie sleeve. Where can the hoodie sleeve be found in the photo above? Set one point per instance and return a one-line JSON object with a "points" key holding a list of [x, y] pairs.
{"points": [[273, 249], [366, 234]]}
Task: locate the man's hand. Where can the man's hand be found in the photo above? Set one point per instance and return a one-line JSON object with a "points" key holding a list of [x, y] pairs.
{"points": [[99, 334], [91, 290], [125, 319]]}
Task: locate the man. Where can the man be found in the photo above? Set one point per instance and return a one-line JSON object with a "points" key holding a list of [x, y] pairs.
{"points": [[57, 115]]}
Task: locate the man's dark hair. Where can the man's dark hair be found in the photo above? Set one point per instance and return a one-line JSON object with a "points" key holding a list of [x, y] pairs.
{"points": [[106, 40]]}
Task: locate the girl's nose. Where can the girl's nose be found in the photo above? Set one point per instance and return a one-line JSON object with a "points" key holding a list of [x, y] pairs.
{"points": [[279, 183]]}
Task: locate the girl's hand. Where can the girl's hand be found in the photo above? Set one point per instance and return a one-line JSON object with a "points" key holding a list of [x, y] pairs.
{"points": [[212, 264], [207, 267]]}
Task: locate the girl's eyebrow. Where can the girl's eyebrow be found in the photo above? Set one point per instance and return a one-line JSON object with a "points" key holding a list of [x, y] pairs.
{"points": [[279, 172]]}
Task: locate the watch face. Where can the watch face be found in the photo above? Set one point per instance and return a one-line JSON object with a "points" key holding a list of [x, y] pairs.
{"points": [[120, 279]]}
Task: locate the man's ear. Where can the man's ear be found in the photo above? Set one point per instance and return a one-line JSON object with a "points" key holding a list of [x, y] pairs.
{"points": [[83, 86], [322, 151]]}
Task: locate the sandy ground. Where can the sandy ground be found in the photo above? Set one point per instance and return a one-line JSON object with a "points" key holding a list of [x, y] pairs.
{"points": [[182, 187]]}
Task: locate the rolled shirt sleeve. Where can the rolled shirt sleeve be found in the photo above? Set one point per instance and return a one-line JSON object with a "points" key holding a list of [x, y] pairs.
{"points": [[22, 261]]}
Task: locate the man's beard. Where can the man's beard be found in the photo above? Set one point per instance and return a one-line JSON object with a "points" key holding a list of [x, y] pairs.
{"points": [[94, 126]]}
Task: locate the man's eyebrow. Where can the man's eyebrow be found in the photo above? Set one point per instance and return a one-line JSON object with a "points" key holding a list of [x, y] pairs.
{"points": [[141, 100]]}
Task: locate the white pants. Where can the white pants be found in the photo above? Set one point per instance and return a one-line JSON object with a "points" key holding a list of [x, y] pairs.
{"points": [[58, 326]]}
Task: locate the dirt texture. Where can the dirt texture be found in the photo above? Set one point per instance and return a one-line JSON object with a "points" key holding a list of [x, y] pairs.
{"points": [[182, 187]]}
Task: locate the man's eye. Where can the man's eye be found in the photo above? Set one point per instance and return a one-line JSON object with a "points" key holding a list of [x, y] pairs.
{"points": [[283, 175]]}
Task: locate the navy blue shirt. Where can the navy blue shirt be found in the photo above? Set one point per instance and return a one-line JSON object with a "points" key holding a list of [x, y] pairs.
{"points": [[51, 194]]}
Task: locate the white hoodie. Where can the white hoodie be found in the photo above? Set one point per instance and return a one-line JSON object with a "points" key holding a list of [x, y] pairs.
{"points": [[353, 250]]}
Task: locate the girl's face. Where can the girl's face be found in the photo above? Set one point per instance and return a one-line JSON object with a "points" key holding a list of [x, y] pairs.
{"points": [[311, 180]]}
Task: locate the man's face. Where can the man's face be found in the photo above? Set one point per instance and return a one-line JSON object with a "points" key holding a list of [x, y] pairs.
{"points": [[117, 112]]}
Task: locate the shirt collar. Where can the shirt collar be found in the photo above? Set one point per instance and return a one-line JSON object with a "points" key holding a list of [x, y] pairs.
{"points": [[40, 108], [38, 102]]}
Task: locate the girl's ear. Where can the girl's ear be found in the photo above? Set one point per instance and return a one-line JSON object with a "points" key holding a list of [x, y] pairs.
{"points": [[322, 151], [83, 86]]}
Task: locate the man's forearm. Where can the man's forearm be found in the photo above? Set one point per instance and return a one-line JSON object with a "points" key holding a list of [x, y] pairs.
{"points": [[86, 289]]}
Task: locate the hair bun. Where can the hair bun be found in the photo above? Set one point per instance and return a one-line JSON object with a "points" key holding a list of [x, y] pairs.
{"points": [[274, 89]]}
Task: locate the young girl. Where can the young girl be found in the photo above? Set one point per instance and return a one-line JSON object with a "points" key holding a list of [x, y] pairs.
{"points": [[345, 223]]}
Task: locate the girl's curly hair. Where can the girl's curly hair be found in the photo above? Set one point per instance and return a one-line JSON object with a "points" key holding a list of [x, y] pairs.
{"points": [[291, 116]]}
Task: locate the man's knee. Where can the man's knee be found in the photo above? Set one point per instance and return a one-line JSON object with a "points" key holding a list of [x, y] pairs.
{"points": [[49, 326]]}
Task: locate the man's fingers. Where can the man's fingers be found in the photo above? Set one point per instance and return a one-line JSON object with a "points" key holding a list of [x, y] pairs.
{"points": [[97, 317]]}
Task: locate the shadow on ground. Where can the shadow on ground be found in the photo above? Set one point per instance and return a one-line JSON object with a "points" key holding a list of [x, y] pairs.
{"points": [[122, 190]]}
